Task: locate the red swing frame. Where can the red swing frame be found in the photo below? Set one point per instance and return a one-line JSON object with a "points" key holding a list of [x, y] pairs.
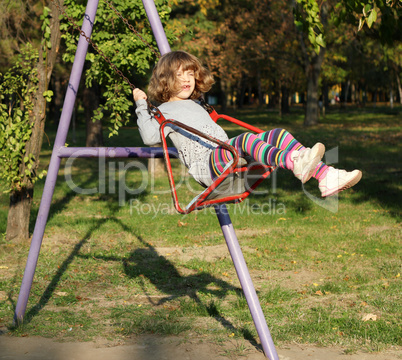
{"points": [[201, 200]]}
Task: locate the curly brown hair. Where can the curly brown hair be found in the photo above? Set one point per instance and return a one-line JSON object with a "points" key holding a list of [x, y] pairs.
{"points": [[163, 84]]}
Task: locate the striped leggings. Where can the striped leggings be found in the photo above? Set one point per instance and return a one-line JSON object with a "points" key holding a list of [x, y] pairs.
{"points": [[270, 148]]}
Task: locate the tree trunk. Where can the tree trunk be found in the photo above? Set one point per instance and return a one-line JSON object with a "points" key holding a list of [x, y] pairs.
{"points": [[242, 92], [223, 101], [57, 101], [274, 96], [20, 208], [364, 91], [94, 128], [250, 99], [259, 89], [21, 200], [346, 92], [313, 70], [285, 108], [353, 93], [274, 100], [325, 99], [398, 81], [156, 166]]}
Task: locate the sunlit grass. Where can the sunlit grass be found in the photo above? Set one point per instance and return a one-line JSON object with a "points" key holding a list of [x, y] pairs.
{"points": [[115, 264]]}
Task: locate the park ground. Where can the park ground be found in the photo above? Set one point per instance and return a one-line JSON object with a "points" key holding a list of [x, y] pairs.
{"points": [[123, 276], [170, 348], [189, 346]]}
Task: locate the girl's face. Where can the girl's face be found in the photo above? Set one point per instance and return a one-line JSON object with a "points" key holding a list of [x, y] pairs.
{"points": [[186, 82]]}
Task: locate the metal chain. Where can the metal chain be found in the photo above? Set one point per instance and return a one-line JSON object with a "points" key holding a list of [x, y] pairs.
{"points": [[151, 107], [132, 28]]}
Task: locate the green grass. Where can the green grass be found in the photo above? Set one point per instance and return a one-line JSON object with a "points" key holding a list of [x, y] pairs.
{"points": [[105, 270]]}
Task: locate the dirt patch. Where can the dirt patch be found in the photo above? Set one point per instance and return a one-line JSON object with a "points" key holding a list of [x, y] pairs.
{"points": [[293, 280], [168, 348], [375, 229], [184, 254], [3, 296]]}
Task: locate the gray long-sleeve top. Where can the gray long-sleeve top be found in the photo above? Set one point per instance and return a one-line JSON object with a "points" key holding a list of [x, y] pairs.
{"points": [[194, 152]]}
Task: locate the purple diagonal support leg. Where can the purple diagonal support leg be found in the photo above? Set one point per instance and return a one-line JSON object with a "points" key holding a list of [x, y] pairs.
{"points": [[54, 165], [246, 282], [224, 220], [156, 26]]}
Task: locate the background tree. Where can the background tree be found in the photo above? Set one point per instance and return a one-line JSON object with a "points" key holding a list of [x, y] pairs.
{"points": [[25, 102], [239, 40], [250, 47], [383, 18], [311, 21], [108, 93], [24, 93]]}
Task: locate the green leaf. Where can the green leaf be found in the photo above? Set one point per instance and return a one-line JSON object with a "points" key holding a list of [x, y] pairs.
{"points": [[361, 24], [320, 41], [372, 18], [48, 95]]}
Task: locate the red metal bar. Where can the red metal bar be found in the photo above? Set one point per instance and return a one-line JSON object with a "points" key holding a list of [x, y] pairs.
{"points": [[215, 117], [216, 183], [238, 197]]}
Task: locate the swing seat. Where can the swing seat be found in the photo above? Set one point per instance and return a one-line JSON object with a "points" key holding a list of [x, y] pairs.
{"points": [[237, 181], [234, 188]]}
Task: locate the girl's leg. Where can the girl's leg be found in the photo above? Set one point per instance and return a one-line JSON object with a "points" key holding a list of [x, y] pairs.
{"points": [[284, 140], [330, 180], [247, 144], [276, 148], [281, 139]]}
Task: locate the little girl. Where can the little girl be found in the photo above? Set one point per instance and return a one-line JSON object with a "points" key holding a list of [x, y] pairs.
{"points": [[177, 81]]}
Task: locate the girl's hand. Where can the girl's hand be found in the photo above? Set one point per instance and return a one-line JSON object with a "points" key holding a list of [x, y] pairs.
{"points": [[138, 94]]}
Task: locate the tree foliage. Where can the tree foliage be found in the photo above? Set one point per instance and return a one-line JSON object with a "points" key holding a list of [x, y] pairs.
{"points": [[381, 17], [117, 42], [23, 97], [17, 87], [240, 40], [19, 23]]}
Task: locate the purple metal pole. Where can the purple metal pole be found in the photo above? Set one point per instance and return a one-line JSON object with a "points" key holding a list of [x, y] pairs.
{"points": [[246, 282], [224, 220], [156, 26], [54, 165], [114, 152]]}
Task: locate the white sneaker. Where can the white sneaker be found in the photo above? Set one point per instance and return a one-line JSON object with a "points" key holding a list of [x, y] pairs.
{"points": [[337, 180], [305, 161]]}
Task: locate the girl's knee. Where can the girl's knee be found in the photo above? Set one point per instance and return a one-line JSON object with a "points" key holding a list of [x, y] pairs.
{"points": [[246, 134]]}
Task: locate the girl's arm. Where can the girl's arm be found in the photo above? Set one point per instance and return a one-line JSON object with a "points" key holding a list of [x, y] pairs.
{"points": [[148, 126]]}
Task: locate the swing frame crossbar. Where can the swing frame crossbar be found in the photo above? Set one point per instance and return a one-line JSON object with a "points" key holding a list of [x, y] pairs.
{"points": [[114, 152], [60, 151]]}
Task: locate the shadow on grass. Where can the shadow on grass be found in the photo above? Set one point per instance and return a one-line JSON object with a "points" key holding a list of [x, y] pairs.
{"points": [[148, 263], [48, 293]]}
